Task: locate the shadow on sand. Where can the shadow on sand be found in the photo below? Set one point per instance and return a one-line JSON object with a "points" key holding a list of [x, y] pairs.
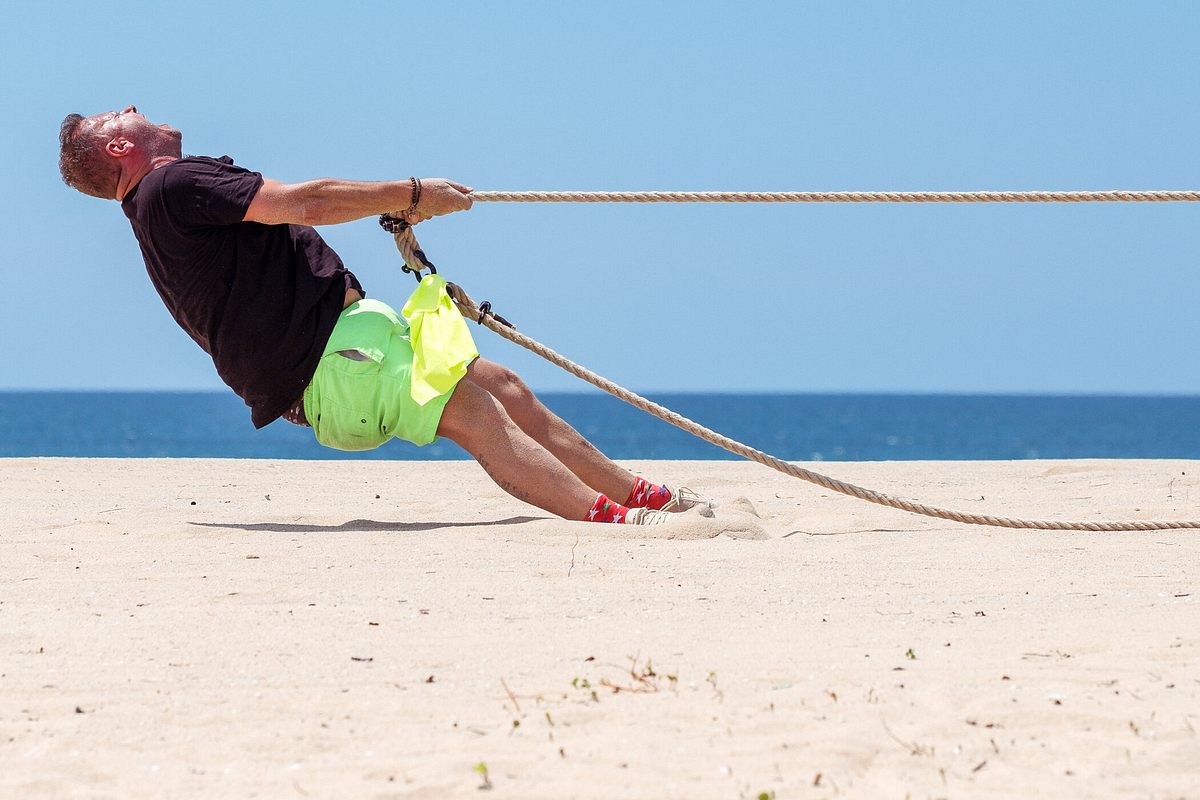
{"points": [[361, 525]]}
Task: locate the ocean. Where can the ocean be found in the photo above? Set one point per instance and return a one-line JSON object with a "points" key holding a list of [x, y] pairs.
{"points": [[800, 427]]}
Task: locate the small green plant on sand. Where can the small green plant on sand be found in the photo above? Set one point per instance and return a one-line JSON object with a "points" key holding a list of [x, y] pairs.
{"points": [[584, 685], [482, 770]]}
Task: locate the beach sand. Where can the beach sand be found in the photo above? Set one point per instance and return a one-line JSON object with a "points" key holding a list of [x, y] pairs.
{"points": [[221, 628]]}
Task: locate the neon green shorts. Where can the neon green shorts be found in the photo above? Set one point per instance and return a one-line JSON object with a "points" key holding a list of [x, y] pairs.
{"points": [[360, 404]]}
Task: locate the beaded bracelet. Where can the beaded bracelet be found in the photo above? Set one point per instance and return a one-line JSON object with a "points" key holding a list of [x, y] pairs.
{"points": [[416, 193]]}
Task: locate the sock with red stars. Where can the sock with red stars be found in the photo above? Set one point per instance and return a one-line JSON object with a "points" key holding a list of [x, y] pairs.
{"points": [[605, 510], [647, 495]]}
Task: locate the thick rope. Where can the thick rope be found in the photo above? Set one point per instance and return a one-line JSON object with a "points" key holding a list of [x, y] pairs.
{"points": [[410, 251], [1116, 196], [471, 311], [415, 260]]}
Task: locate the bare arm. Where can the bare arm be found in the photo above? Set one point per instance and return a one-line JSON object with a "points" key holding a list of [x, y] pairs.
{"points": [[329, 201]]}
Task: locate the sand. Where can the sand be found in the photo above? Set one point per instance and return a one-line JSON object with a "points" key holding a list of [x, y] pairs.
{"points": [[219, 628]]}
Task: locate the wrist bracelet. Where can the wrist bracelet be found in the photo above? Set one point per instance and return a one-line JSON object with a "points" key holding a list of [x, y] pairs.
{"points": [[416, 193]]}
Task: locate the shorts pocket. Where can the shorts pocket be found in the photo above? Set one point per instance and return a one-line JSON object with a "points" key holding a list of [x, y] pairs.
{"points": [[348, 414], [344, 428]]}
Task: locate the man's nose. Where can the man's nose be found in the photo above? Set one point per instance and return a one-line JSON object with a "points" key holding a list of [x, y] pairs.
{"points": [[130, 110]]}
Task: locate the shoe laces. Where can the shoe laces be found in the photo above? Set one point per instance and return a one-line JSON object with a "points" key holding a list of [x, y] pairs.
{"points": [[648, 516]]}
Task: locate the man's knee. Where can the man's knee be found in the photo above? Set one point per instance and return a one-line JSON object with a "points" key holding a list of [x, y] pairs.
{"points": [[503, 382]]}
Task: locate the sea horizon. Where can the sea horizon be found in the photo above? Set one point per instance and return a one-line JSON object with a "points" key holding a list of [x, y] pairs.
{"points": [[798, 426]]}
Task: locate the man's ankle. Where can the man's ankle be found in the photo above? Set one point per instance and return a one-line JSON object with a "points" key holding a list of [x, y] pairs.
{"points": [[605, 510], [645, 494]]}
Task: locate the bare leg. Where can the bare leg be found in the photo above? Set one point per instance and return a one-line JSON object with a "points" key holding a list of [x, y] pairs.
{"points": [[477, 422], [550, 431]]}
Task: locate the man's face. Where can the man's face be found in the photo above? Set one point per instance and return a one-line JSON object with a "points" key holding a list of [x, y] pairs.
{"points": [[130, 125]]}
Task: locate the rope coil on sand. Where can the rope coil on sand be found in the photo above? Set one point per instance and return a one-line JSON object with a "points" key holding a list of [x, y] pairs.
{"points": [[415, 261]]}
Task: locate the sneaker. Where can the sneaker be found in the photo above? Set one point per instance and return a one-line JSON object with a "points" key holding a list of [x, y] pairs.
{"points": [[683, 498], [647, 516]]}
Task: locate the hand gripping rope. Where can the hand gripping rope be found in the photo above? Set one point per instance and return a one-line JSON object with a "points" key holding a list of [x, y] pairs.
{"points": [[415, 261]]}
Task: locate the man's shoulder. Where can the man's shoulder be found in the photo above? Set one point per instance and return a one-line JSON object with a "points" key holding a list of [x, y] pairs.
{"points": [[172, 172], [195, 191]]}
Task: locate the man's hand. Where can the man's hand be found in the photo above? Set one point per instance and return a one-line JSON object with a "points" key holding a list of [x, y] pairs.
{"points": [[438, 198]]}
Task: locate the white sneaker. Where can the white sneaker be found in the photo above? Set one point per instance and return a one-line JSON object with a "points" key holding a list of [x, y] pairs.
{"points": [[683, 498], [647, 516]]}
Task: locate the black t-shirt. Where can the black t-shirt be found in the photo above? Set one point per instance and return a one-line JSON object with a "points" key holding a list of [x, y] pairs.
{"points": [[260, 299]]}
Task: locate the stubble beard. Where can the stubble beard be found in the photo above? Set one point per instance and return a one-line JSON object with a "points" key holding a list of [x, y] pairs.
{"points": [[168, 142]]}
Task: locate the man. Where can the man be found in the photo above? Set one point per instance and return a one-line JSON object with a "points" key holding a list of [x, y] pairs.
{"points": [[236, 261]]}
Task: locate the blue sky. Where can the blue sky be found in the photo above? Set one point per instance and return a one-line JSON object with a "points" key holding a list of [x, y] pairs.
{"points": [[834, 96]]}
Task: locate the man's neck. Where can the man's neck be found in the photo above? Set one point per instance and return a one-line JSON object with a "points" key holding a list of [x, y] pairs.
{"points": [[130, 178]]}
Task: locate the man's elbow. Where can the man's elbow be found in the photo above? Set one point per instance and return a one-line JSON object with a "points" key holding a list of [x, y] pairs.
{"points": [[309, 211], [313, 204]]}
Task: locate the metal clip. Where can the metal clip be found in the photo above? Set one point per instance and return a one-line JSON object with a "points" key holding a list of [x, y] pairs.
{"points": [[394, 225]]}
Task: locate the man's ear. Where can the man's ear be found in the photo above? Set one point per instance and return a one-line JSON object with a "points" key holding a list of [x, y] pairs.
{"points": [[119, 147]]}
